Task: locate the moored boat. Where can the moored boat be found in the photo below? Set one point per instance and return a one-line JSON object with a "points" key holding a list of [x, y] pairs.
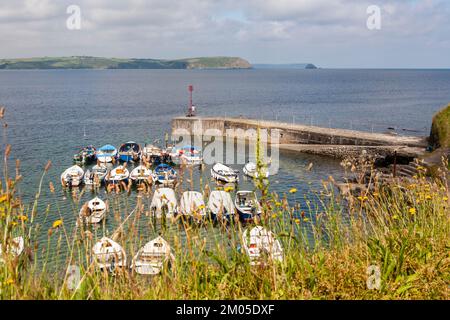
{"points": [[224, 173], [247, 205], [190, 155], [141, 174], [96, 175], [220, 205], [14, 248], [130, 151], [153, 257], [108, 254], [165, 174], [85, 155], [117, 175], [251, 170], [164, 203], [192, 205], [72, 177], [107, 153], [93, 211], [261, 246], [152, 153]]}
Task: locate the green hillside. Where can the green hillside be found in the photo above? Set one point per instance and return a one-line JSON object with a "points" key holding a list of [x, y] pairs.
{"points": [[84, 62]]}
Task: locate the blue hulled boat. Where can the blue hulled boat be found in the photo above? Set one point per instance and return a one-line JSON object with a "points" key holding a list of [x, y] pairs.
{"points": [[130, 151]]}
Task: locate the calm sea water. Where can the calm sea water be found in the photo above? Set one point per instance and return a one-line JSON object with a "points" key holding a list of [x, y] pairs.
{"points": [[48, 112]]}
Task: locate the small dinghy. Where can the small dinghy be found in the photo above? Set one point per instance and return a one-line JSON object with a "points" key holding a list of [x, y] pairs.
{"points": [[165, 174], [14, 248], [223, 173], [192, 205], [118, 175], [164, 203], [93, 211], [261, 245], [152, 153], [108, 255], [153, 257], [247, 205], [107, 153], [85, 155], [72, 177], [96, 175], [220, 205], [140, 174], [130, 151], [190, 155], [250, 170]]}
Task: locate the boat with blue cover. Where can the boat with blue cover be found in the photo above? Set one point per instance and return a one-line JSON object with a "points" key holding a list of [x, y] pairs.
{"points": [[130, 151], [165, 174], [107, 153], [85, 155]]}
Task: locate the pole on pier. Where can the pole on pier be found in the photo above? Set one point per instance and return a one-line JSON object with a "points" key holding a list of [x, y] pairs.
{"points": [[191, 108], [395, 164]]}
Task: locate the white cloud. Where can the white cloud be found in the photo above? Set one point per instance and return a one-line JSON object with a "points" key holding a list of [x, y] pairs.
{"points": [[260, 30]]}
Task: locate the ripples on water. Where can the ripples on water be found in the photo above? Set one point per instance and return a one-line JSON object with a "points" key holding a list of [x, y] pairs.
{"points": [[47, 112]]}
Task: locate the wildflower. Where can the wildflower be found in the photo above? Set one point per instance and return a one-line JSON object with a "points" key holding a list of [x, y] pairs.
{"points": [[395, 217], [412, 211], [13, 223], [445, 198], [201, 207], [363, 198], [22, 218], [229, 189], [274, 216], [305, 219], [52, 188], [3, 198], [278, 204], [428, 197], [293, 190], [297, 221], [10, 281], [375, 194], [57, 223]]}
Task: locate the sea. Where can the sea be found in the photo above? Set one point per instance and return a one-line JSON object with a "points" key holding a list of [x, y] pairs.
{"points": [[51, 114]]}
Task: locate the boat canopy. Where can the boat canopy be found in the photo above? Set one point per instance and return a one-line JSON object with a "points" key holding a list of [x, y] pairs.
{"points": [[107, 148]]}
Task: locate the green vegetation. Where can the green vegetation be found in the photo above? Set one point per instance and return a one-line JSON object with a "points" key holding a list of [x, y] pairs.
{"points": [[440, 129], [401, 228], [115, 63]]}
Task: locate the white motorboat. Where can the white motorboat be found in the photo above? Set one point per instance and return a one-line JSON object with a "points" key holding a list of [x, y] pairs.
{"points": [[261, 246], [220, 205], [117, 175], [192, 205], [164, 203], [247, 205], [108, 254], [96, 175], [165, 174], [141, 174], [224, 173], [187, 155], [152, 153], [93, 211], [14, 248], [250, 170], [107, 153], [72, 177], [153, 257]]}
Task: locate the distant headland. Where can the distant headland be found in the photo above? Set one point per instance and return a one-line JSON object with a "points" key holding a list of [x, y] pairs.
{"points": [[87, 62]]}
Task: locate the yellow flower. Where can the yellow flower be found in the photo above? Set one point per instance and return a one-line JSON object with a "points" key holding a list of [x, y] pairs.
{"points": [[274, 216], [10, 281], [412, 210], [297, 221], [363, 198], [395, 217], [22, 218], [293, 190], [201, 207], [13, 223], [57, 223], [228, 189], [278, 204], [376, 194], [445, 198], [428, 197], [306, 219]]}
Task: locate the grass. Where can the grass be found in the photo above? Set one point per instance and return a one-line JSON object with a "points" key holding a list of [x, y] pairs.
{"points": [[401, 228], [440, 129]]}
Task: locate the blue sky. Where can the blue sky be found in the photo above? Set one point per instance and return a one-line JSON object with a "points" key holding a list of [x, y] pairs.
{"points": [[329, 33]]}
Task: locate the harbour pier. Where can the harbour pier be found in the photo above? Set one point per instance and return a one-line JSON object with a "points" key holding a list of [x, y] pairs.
{"points": [[337, 143]]}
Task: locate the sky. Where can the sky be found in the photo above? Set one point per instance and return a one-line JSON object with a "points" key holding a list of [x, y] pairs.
{"points": [[328, 33]]}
